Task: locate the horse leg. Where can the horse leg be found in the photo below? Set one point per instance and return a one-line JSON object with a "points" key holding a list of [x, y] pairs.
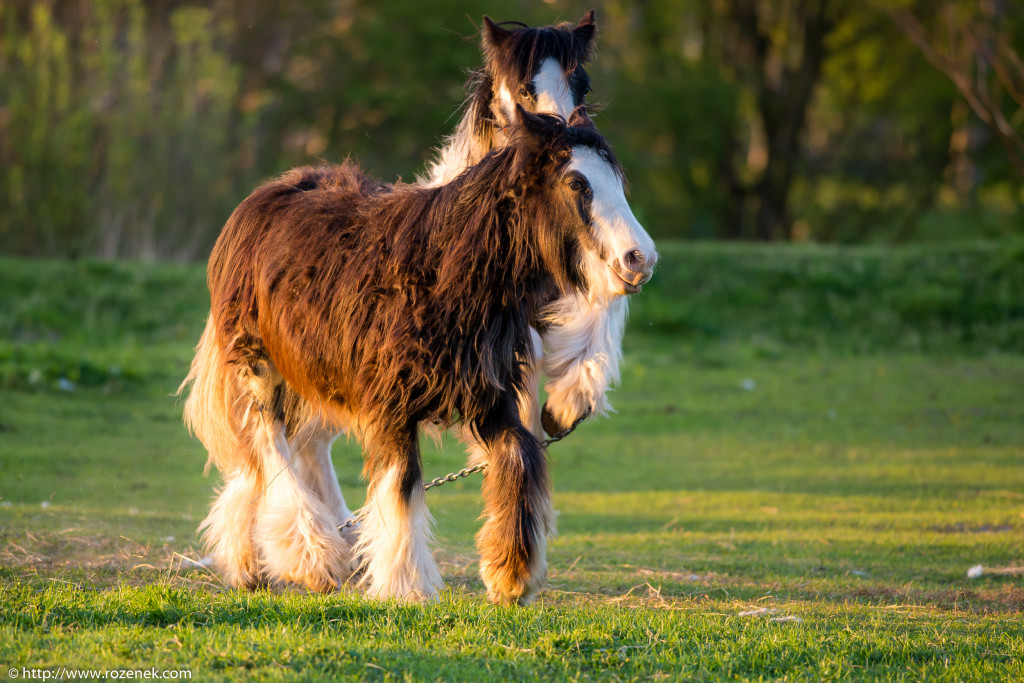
{"points": [[294, 532], [528, 402], [213, 411], [312, 446], [584, 350], [228, 530], [394, 526], [517, 504]]}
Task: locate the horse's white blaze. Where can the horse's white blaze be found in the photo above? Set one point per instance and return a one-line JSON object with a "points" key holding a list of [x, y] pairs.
{"points": [[551, 87], [615, 227]]}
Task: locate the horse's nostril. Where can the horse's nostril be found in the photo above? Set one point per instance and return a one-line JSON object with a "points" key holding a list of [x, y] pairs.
{"points": [[634, 260]]}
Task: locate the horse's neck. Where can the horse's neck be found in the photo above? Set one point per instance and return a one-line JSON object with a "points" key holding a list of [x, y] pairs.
{"points": [[462, 149]]}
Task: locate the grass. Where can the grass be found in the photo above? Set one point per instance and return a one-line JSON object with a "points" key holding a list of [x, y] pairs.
{"points": [[841, 477]]}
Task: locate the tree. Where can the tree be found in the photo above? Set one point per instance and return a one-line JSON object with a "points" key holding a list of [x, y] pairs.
{"points": [[973, 43], [780, 47]]}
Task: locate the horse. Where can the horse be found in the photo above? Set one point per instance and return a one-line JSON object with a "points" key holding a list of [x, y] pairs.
{"points": [[581, 348], [541, 69], [383, 309]]}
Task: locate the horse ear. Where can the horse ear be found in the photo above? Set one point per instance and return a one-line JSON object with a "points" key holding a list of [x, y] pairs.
{"points": [[580, 117], [494, 35], [537, 126], [585, 31]]}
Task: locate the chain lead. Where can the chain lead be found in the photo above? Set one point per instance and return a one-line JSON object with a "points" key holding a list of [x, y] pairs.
{"points": [[465, 472]]}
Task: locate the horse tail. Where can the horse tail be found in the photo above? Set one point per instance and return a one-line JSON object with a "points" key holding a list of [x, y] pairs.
{"points": [[216, 410]]}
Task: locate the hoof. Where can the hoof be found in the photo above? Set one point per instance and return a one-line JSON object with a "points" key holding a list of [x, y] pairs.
{"points": [[553, 426]]}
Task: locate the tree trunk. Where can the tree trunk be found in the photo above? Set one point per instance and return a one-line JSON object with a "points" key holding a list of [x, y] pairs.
{"points": [[783, 98]]}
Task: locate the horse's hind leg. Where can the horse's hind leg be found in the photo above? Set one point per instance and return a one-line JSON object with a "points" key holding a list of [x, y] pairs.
{"points": [[295, 534], [228, 529], [517, 504], [394, 526], [213, 411], [312, 446], [297, 537]]}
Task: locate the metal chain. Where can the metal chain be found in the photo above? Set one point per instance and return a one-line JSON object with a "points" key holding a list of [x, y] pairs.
{"points": [[466, 471], [565, 432]]}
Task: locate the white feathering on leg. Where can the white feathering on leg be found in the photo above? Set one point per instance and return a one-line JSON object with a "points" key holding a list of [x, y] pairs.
{"points": [[394, 542], [227, 530], [295, 533]]}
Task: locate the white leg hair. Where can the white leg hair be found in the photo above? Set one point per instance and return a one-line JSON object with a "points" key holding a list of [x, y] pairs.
{"points": [[228, 529], [583, 347], [394, 538], [529, 402], [312, 448], [297, 536]]}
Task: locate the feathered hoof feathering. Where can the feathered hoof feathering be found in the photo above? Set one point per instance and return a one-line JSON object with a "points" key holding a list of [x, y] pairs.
{"points": [[266, 527], [510, 582], [517, 499], [394, 538]]}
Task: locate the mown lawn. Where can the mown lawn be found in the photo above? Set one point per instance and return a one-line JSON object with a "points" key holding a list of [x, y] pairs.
{"points": [[837, 480]]}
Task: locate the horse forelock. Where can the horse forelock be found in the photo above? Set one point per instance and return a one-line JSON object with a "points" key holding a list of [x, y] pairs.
{"points": [[521, 54], [561, 137]]}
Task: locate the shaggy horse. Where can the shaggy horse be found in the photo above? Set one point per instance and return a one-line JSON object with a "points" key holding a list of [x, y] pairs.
{"points": [[542, 70], [384, 309]]}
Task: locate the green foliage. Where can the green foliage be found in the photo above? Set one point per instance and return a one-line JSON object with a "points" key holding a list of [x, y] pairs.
{"points": [[118, 139], [132, 129], [949, 298], [97, 323]]}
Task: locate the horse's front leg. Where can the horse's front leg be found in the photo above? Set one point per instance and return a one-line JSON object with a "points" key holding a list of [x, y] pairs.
{"points": [[583, 344], [528, 403], [517, 504], [394, 526]]}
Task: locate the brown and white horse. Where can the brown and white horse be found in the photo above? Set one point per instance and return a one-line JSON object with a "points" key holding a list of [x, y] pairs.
{"points": [[382, 309], [542, 70]]}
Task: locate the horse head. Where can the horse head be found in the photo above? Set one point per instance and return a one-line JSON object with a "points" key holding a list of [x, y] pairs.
{"points": [[540, 69], [575, 193]]}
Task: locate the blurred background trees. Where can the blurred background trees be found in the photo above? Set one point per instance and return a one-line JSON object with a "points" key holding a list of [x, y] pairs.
{"points": [[132, 128]]}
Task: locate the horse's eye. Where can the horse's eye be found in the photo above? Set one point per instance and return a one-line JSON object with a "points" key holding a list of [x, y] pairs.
{"points": [[524, 92], [576, 185]]}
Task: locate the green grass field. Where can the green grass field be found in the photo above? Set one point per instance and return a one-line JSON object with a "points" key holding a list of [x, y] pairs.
{"points": [[827, 439]]}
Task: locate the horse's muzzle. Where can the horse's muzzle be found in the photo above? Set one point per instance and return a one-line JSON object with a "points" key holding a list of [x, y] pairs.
{"points": [[637, 271]]}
